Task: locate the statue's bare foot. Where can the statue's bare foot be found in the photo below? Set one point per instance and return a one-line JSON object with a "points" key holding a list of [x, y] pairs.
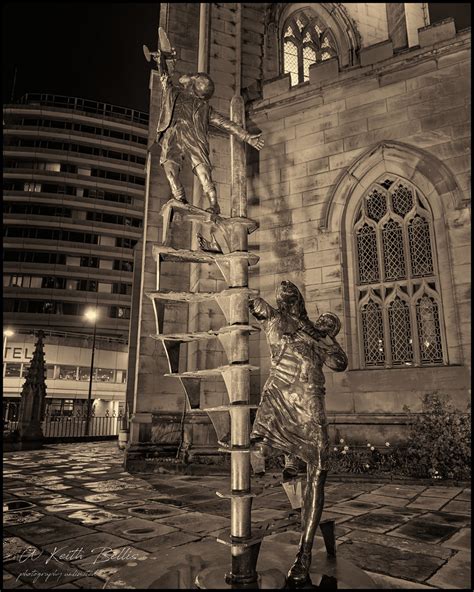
{"points": [[299, 571], [206, 245], [181, 199], [289, 473]]}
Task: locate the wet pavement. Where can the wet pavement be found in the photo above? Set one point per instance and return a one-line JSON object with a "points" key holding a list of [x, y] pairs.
{"points": [[73, 518]]}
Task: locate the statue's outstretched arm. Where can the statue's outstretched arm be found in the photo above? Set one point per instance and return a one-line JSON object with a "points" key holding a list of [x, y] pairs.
{"points": [[221, 122], [260, 309], [334, 356]]}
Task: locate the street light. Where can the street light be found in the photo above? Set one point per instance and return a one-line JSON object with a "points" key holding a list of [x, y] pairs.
{"points": [[91, 315], [6, 334]]}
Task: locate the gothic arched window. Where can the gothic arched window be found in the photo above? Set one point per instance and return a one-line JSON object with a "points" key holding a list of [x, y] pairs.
{"points": [[398, 294], [305, 41]]}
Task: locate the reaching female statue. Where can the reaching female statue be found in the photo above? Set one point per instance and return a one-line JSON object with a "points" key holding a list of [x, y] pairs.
{"points": [[291, 417]]}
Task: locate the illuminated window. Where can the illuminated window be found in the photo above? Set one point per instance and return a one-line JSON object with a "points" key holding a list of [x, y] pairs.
{"points": [[12, 370], [32, 187], [305, 41], [104, 375], [399, 304], [68, 372]]}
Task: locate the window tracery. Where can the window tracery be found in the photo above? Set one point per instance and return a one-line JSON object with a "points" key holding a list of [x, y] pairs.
{"points": [[305, 41], [398, 294]]}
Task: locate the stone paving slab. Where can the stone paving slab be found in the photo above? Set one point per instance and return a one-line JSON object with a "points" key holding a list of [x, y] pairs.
{"points": [[390, 561], [354, 508], [49, 529], [10, 582], [425, 502], [452, 519], [15, 549], [465, 495], [197, 522], [137, 529], [388, 583], [455, 574], [405, 491], [383, 500], [423, 529], [382, 519], [371, 519], [41, 575], [458, 507], [399, 543], [461, 541], [86, 546], [167, 541], [440, 491]]}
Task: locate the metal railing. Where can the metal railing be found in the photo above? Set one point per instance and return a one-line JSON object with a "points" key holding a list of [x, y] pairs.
{"points": [[86, 105], [63, 427]]}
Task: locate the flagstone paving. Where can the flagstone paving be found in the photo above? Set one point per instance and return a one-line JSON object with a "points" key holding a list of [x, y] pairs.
{"points": [[92, 525]]}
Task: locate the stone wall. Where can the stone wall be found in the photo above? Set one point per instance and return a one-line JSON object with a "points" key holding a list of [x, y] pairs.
{"points": [[371, 20], [405, 112], [320, 134]]}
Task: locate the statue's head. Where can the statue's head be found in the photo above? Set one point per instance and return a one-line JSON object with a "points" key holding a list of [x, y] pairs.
{"points": [[329, 323], [203, 86], [290, 300], [186, 81]]}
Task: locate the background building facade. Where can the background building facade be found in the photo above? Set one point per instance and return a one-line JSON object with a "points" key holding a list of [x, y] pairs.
{"points": [[361, 192], [73, 179]]}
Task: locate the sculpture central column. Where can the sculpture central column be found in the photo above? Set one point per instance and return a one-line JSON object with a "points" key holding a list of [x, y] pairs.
{"points": [[243, 559]]}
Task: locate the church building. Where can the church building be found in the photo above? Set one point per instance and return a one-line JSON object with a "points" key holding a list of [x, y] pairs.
{"points": [[361, 194]]}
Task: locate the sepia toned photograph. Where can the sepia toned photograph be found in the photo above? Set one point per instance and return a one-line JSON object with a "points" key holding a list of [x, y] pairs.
{"points": [[236, 295]]}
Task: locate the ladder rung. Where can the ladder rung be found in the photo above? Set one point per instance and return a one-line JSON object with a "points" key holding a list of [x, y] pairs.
{"points": [[187, 256]]}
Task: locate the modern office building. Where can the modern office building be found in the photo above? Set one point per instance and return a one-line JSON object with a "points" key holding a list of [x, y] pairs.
{"points": [[74, 183]]}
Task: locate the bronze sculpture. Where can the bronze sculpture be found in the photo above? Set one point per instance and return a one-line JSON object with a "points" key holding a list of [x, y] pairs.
{"points": [[291, 417], [183, 124]]}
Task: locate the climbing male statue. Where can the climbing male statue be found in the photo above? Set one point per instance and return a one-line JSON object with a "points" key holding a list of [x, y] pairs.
{"points": [[183, 125], [291, 417]]}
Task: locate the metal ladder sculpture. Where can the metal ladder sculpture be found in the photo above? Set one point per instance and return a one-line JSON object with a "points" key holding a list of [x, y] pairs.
{"points": [[234, 338], [231, 235]]}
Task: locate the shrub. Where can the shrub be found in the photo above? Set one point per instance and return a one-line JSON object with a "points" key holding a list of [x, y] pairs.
{"points": [[362, 459], [439, 442]]}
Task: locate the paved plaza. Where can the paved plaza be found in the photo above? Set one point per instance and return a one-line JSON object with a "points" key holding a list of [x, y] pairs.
{"points": [[75, 519]]}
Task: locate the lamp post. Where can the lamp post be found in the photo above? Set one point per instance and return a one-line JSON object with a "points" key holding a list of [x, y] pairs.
{"points": [[6, 334], [91, 315]]}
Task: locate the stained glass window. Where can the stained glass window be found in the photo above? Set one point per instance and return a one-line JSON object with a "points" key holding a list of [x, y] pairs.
{"points": [[306, 41], [400, 333], [393, 236], [427, 318], [393, 255], [372, 327], [420, 247], [367, 255]]}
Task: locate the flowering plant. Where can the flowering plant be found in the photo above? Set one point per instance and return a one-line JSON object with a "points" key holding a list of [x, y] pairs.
{"points": [[362, 459], [439, 443]]}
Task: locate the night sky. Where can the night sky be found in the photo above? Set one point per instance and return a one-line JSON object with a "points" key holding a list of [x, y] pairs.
{"points": [[94, 50]]}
